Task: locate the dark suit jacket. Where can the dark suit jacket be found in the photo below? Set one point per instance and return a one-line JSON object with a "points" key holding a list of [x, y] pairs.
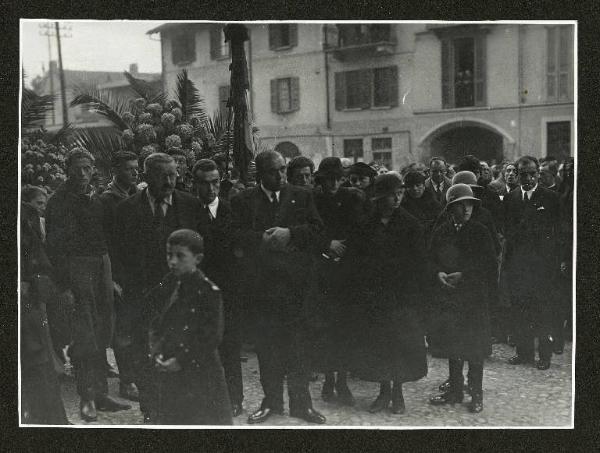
{"points": [[142, 260], [532, 242], [441, 199], [282, 277]]}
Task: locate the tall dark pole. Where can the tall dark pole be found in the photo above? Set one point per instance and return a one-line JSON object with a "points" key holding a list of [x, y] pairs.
{"points": [[63, 95]]}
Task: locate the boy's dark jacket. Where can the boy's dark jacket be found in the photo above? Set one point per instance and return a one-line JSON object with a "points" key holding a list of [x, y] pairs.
{"points": [[188, 326]]}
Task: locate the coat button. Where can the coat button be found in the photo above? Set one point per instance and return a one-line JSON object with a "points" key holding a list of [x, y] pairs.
{"points": [[185, 327]]}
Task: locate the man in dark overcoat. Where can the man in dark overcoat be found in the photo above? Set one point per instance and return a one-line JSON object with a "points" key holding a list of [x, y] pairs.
{"points": [[532, 262], [123, 185], [438, 183], [220, 266], [78, 250], [143, 223], [277, 225]]}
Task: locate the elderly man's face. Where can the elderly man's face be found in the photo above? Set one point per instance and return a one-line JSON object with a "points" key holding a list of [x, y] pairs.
{"points": [[208, 184], [486, 172], [510, 174], [161, 179], [273, 176], [437, 171], [81, 171], [302, 177]]}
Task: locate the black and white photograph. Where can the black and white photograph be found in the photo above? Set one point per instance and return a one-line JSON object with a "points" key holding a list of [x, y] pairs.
{"points": [[297, 224]]}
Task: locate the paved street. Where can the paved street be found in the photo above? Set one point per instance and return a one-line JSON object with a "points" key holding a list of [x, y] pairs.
{"points": [[513, 396]]}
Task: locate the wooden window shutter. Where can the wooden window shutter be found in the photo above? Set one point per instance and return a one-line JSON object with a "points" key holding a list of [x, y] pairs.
{"points": [[215, 42], [393, 81], [274, 36], [366, 88], [294, 93], [447, 74], [480, 69], [274, 97], [340, 90], [293, 29]]}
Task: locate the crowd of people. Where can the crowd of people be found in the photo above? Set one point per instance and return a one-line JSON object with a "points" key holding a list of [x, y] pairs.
{"points": [[344, 269]]}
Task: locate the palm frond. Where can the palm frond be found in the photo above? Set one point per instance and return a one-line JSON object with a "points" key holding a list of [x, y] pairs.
{"points": [[103, 103], [34, 108], [61, 136], [146, 90], [186, 93], [102, 142]]}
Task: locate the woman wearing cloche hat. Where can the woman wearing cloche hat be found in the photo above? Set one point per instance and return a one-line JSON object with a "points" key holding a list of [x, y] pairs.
{"points": [[463, 256], [387, 261]]}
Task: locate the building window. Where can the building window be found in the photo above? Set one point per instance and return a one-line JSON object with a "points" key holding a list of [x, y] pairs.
{"points": [[218, 47], [359, 34], [558, 139], [283, 36], [285, 95], [366, 88], [463, 71], [353, 148], [559, 63], [382, 151], [183, 47], [223, 98]]}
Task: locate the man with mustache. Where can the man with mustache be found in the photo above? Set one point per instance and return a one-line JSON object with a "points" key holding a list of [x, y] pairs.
{"points": [[143, 223]]}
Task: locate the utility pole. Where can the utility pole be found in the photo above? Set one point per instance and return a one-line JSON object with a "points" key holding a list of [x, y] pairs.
{"points": [[50, 30]]}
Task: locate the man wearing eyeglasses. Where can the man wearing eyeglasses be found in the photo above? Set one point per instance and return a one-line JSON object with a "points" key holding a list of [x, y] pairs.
{"points": [[438, 183], [532, 262]]}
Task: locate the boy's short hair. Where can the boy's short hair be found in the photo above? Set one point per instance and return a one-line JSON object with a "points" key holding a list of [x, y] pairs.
{"points": [[28, 193], [78, 153], [122, 157], [187, 238]]}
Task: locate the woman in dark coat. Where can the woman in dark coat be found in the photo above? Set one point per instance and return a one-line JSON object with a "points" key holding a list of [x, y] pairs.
{"points": [[420, 202], [342, 210], [464, 260], [385, 263]]}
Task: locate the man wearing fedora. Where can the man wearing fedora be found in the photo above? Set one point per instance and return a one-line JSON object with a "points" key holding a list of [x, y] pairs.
{"points": [[462, 254], [342, 209], [532, 262]]}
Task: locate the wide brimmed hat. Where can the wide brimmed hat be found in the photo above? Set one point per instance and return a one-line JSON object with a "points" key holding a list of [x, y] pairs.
{"points": [[362, 169], [330, 166], [465, 177], [386, 185], [460, 192]]}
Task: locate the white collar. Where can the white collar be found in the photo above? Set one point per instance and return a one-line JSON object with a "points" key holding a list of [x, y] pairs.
{"points": [[213, 206], [529, 192], [269, 192]]}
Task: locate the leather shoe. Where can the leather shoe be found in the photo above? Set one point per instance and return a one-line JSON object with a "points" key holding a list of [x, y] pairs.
{"points": [[446, 398], [542, 364], [344, 394], [236, 409], [476, 405], [327, 391], [129, 392], [445, 386], [310, 415], [382, 402], [107, 404], [519, 360], [262, 415], [87, 410]]}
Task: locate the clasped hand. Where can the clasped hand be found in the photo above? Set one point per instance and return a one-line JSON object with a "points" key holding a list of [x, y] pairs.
{"points": [[277, 238], [170, 365], [449, 280]]}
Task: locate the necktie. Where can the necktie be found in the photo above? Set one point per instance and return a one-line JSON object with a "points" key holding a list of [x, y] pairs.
{"points": [[159, 215], [208, 213], [274, 200]]}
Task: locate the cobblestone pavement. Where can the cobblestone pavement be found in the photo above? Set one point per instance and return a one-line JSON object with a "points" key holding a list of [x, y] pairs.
{"points": [[514, 396]]}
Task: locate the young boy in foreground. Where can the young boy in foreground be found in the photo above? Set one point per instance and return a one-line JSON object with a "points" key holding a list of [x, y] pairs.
{"points": [[187, 374]]}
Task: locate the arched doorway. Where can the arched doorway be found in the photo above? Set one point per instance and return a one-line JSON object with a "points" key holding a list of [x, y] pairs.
{"points": [[288, 150], [455, 143], [456, 138]]}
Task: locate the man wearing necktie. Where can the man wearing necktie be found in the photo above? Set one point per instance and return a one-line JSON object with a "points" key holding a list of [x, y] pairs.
{"points": [[438, 183], [221, 267], [276, 226], [532, 262], [143, 222]]}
